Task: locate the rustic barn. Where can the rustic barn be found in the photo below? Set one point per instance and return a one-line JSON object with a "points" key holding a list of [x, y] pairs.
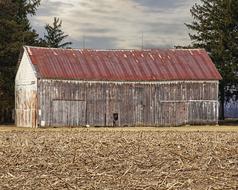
{"points": [[65, 87]]}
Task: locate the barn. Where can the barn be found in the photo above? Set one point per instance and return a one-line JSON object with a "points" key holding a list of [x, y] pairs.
{"points": [[67, 87]]}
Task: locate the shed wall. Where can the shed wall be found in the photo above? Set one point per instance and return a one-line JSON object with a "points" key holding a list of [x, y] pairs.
{"points": [[26, 94], [74, 103], [26, 73], [26, 102]]}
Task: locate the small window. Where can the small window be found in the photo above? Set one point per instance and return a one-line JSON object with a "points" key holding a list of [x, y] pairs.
{"points": [[115, 116], [115, 119]]}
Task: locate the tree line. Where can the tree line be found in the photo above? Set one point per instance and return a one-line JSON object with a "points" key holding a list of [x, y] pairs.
{"points": [[214, 28], [15, 32]]}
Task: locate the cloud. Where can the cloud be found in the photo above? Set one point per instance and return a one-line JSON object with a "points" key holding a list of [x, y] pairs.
{"points": [[53, 7], [92, 42], [119, 24]]}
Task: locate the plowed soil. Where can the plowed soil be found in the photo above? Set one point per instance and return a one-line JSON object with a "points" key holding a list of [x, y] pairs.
{"points": [[118, 159]]}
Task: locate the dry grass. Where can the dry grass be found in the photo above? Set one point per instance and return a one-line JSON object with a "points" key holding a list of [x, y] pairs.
{"points": [[122, 158], [228, 128]]}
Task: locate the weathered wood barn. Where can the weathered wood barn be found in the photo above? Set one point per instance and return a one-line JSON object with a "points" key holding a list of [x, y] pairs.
{"points": [[61, 87]]}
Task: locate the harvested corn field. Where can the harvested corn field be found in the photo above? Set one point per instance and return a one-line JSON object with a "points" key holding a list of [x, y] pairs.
{"points": [[118, 159]]}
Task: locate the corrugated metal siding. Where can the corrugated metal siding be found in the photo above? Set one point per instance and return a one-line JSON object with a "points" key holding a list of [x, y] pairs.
{"points": [[123, 65], [74, 103]]}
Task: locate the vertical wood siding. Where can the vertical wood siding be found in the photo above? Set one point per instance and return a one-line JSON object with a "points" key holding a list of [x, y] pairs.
{"points": [[26, 100], [75, 103], [26, 94]]}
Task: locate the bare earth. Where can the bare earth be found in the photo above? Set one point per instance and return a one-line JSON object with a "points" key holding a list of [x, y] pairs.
{"points": [[122, 158]]}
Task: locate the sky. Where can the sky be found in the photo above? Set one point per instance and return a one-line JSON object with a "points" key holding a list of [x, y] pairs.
{"points": [[118, 24]]}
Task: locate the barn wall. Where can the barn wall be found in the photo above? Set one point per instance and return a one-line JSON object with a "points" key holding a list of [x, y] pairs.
{"points": [[25, 94], [74, 103]]}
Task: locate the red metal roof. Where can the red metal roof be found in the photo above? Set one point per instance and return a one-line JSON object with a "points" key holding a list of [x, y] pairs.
{"points": [[123, 65]]}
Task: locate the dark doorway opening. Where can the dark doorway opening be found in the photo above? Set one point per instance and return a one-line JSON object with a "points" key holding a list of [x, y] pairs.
{"points": [[115, 119]]}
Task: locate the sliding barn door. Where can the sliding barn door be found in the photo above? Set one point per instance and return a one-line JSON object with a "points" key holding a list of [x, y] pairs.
{"points": [[68, 113]]}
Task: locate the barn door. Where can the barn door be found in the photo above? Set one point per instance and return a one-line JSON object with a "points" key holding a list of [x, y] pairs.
{"points": [[203, 112], [68, 113], [173, 113]]}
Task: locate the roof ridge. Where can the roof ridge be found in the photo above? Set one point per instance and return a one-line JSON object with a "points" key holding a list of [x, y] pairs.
{"points": [[98, 50]]}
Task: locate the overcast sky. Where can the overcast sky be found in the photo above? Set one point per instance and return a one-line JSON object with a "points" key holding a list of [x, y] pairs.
{"points": [[113, 24]]}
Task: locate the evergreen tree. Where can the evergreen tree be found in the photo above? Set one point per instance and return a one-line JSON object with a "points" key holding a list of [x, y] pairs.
{"points": [[215, 28], [15, 31], [54, 36]]}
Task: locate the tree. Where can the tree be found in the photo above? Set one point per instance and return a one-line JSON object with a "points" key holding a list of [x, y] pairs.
{"points": [[15, 31], [54, 36], [215, 28]]}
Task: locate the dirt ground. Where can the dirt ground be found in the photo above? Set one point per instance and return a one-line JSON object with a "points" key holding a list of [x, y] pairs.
{"points": [[204, 157]]}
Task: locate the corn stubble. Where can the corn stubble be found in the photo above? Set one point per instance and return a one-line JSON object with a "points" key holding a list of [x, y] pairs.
{"points": [[118, 160]]}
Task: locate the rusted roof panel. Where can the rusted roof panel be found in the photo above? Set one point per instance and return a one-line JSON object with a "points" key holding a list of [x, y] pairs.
{"points": [[123, 65]]}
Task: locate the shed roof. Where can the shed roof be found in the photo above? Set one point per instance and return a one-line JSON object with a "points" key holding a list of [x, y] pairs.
{"points": [[123, 65]]}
